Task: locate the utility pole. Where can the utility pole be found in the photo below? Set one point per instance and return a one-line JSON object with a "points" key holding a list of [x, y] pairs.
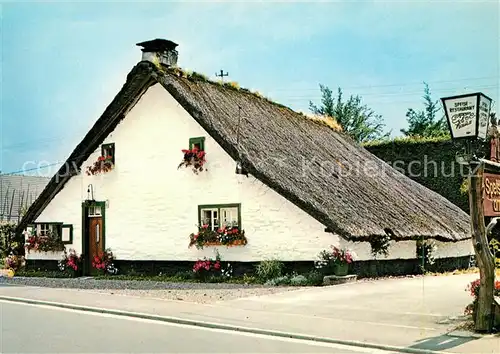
{"points": [[221, 75]]}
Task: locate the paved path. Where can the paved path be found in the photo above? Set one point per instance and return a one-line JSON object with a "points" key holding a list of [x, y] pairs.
{"points": [[411, 313], [35, 329]]}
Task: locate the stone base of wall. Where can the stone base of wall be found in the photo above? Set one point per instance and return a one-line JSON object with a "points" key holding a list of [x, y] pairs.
{"points": [[363, 269]]}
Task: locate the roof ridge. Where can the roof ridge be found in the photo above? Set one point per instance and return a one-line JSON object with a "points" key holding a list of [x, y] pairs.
{"points": [[194, 76]]}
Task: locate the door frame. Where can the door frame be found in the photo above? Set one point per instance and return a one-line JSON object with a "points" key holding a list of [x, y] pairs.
{"points": [[87, 264]]}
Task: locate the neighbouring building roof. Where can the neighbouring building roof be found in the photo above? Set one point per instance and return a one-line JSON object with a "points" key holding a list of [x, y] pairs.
{"points": [[322, 171], [17, 193]]}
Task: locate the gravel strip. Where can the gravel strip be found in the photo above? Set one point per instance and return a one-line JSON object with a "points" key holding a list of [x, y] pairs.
{"points": [[89, 283], [191, 292]]}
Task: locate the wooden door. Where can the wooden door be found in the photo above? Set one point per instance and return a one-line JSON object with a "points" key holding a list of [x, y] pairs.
{"points": [[95, 237]]}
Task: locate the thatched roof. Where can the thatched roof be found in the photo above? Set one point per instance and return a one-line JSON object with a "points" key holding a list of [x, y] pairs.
{"points": [[322, 171]]}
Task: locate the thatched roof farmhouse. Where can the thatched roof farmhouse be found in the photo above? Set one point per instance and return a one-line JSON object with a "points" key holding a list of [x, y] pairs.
{"points": [[320, 170]]}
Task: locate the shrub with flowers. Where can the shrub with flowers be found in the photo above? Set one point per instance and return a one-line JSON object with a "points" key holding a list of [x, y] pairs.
{"points": [[194, 158], [473, 290], [71, 263], [227, 236], [102, 165], [104, 262], [14, 262], [328, 260], [212, 268]]}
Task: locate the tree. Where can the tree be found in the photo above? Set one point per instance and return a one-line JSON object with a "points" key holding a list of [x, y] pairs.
{"points": [[424, 123], [356, 119]]}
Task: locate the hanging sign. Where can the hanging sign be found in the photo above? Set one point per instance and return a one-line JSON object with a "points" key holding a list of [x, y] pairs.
{"points": [[491, 194]]}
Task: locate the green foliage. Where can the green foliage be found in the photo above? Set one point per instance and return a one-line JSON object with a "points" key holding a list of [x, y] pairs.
{"points": [[299, 280], [269, 269], [314, 278], [380, 245], [424, 123], [197, 76], [425, 251], [10, 243], [495, 250], [429, 161], [356, 119], [282, 280]]}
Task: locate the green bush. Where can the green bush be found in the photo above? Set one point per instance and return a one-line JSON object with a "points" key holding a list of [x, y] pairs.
{"points": [[283, 280], [314, 278], [299, 280], [430, 162], [269, 269]]}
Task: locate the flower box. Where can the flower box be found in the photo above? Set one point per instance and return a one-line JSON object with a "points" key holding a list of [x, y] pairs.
{"points": [[194, 158], [102, 165], [231, 236]]}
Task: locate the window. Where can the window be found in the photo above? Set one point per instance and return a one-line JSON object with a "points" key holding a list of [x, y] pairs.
{"points": [[49, 229], [198, 143], [94, 211], [218, 215], [108, 150]]}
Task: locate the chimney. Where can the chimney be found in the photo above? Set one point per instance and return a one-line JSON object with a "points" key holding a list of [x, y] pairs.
{"points": [[159, 50]]}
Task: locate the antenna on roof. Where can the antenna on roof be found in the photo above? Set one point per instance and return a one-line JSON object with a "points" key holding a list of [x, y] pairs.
{"points": [[221, 75]]}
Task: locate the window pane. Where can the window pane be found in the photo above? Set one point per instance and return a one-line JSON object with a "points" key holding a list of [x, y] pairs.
{"points": [[230, 216], [97, 210], [206, 217]]}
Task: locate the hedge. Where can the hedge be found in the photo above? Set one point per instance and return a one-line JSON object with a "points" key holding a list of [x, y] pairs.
{"points": [[430, 162]]}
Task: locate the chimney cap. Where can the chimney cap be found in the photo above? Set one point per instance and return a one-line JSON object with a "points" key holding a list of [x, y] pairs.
{"points": [[157, 45]]}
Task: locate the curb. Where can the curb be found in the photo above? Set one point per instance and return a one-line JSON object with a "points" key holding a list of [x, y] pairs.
{"points": [[204, 324]]}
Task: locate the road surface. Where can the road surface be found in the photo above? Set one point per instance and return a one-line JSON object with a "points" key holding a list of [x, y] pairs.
{"points": [[40, 329]]}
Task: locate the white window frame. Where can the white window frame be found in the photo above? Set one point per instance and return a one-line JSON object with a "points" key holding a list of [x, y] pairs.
{"points": [[92, 211], [216, 222], [48, 229]]}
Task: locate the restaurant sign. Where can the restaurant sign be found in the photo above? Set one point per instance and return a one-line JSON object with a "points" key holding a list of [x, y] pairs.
{"points": [[491, 194]]}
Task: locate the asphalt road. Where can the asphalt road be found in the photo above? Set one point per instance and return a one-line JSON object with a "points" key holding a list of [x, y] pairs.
{"points": [[38, 329]]}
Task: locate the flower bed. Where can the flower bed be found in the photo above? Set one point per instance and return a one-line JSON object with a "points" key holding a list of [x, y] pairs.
{"points": [[103, 262], [231, 236], [194, 158], [71, 263], [473, 289], [205, 269], [102, 165]]}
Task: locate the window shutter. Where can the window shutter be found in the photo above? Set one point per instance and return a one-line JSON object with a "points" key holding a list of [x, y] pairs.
{"points": [[67, 234]]}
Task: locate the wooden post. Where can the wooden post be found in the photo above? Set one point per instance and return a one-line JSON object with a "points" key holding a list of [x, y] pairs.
{"points": [[484, 258]]}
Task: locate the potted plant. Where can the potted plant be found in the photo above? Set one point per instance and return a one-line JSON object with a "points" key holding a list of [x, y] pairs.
{"points": [[335, 261]]}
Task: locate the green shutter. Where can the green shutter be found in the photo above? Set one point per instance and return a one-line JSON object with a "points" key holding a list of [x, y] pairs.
{"points": [[67, 228]]}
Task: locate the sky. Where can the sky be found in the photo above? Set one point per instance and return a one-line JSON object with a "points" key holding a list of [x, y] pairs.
{"points": [[63, 62]]}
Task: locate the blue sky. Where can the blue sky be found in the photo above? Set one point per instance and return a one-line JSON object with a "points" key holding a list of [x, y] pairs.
{"points": [[63, 62]]}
